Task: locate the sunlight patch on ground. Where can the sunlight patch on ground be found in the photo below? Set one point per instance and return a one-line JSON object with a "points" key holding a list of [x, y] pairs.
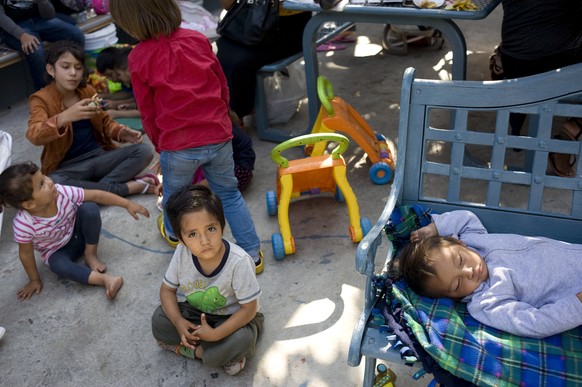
{"points": [[312, 313], [364, 47], [302, 361]]}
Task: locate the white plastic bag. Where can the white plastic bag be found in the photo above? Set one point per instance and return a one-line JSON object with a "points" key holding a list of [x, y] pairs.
{"points": [[5, 155], [284, 91]]}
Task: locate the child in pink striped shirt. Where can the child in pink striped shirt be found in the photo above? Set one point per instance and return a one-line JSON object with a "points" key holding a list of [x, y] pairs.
{"points": [[60, 222]]}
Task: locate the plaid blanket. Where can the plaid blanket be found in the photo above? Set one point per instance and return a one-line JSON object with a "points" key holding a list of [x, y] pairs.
{"points": [[486, 356]]}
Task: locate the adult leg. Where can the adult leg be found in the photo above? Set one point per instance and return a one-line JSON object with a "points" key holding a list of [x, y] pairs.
{"points": [[240, 63], [35, 60], [219, 171], [56, 29]]}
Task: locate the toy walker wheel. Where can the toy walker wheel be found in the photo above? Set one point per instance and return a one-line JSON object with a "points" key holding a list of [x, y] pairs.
{"points": [[271, 203], [366, 225], [339, 196], [381, 173], [278, 246]]}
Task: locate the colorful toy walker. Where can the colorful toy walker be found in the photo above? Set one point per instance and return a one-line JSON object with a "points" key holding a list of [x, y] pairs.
{"points": [[311, 176], [336, 115]]}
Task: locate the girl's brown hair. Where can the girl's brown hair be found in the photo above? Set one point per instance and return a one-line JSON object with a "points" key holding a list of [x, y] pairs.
{"points": [[416, 263], [16, 185], [58, 49], [146, 19]]}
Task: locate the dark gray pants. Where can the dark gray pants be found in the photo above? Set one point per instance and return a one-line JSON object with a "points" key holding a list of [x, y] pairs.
{"points": [[241, 343], [106, 170]]}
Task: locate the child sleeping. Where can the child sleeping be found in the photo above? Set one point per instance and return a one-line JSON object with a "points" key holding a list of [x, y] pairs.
{"points": [[527, 286]]}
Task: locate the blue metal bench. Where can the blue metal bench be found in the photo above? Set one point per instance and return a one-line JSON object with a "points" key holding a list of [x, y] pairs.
{"points": [[455, 152]]}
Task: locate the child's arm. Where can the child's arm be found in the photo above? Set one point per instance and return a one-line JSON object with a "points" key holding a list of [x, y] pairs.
{"points": [[457, 223], [34, 285], [424, 232], [110, 199], [237, 320], [172, 311]]}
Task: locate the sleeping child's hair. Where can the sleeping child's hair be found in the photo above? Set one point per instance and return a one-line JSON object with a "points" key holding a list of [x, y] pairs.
{"points": [[415, 263], [16, 185], [146, 19], [58, 49], [193, 199]]}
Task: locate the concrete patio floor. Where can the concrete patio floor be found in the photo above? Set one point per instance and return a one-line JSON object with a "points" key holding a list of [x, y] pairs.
{"points": [[72, 335]]}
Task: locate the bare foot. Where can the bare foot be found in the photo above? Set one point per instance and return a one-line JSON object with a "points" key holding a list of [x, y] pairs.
{"points": [[112, 286], [95, 264]]}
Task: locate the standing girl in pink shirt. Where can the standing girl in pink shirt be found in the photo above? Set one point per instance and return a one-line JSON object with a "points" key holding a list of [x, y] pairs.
{"points": [[183, 98], [62, 224]]}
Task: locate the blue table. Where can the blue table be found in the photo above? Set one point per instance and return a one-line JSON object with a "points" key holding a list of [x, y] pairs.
{"points": [[440, 19]]}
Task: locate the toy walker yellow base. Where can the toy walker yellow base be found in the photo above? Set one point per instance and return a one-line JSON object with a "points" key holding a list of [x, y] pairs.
{"points": [[311, 175]]}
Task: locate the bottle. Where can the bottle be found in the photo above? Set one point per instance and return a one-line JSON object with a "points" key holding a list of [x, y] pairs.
{"points": [[385, 377]]}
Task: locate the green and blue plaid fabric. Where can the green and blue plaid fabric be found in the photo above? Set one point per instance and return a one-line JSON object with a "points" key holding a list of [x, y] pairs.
{"points": [[486, 356]]}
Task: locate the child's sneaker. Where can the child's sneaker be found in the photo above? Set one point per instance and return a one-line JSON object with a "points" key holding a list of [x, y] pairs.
{"points": [[259, 266], [234, 367], [186, 352], [170, 241]]}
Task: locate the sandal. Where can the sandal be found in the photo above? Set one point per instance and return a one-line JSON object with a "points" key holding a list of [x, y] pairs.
{"points": [[572, 129], [146, 184], [330, 46], [559, 160]]}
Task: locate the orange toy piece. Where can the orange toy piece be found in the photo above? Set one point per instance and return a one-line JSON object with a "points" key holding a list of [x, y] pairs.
{"points": [[336, 115], [310, 176]]}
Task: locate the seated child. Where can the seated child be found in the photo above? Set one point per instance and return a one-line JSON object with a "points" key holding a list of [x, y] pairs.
{"points": [[527, 286], [219, 322], [62, 223], [112, 62]]}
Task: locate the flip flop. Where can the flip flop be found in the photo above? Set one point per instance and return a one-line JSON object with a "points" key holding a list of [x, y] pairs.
{"points": [[141, 180], [347, 38], [572, 129], [330, 46]]}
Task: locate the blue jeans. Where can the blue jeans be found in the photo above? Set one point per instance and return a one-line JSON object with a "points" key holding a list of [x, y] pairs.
{"points": [[86, 232], [216, 161], [50, 30]]}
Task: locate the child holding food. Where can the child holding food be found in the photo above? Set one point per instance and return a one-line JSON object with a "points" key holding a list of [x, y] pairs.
{"points": [[79, 138]]}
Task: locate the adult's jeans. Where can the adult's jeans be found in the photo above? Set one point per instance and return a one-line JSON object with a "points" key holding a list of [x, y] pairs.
{"points": [[50, 30], [216, 161]]}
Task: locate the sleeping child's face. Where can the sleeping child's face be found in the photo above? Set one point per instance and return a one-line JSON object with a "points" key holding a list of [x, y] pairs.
{"points": [[459, 271]]}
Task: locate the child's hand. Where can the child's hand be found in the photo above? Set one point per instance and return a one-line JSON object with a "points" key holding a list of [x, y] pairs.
{"points": [[579, 295], [82, 110], [27, 291], [205, 331], [134, 208], [129, 135], [424, 232], [186, 331]]}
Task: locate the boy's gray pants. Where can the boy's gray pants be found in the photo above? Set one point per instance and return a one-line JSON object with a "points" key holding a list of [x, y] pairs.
{"points": [[239, 344]]}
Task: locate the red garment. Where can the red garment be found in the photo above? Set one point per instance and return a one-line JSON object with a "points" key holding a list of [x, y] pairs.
{"points": [[181, 91]]}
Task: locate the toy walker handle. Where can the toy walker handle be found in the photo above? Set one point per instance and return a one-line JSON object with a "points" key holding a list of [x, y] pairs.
{"points": [[325, 93], [307, 139]]}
